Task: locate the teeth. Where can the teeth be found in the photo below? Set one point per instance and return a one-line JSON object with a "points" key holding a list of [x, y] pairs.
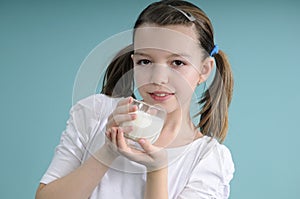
{"points": [[160, 94]]}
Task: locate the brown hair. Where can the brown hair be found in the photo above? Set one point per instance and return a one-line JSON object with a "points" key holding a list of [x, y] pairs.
{"points": [[216, 99], [118, 77]]}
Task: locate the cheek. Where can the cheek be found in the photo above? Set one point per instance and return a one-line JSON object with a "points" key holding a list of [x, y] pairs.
{"points": [[183, 89], [141, 77], [192, 78], [188, 79], [185, 86]]}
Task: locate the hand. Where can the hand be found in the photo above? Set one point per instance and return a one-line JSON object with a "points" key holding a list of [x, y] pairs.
{"points": [[153, 157], [108, 152], [121, 114]]}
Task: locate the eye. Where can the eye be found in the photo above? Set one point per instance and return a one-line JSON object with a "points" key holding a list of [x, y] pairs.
{"points": [[143, 62], [177, 63]]}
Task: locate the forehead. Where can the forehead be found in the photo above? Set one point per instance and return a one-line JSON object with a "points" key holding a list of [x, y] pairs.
{"points": [[177, 39]]}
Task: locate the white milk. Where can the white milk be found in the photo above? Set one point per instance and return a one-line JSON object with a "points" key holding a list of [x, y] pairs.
{"points": [[145, 126]]}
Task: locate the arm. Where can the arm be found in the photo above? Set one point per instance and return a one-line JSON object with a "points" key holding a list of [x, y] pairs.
{"points": [[74, 180], [157, 184], [154, 158], [81, 182]]}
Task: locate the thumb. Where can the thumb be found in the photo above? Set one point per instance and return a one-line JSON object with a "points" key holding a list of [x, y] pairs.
{"points": [[146, 145]]}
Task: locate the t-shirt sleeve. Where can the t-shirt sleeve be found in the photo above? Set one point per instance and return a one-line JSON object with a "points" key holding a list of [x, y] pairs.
{"points": [[211, 177], [73, 142]]}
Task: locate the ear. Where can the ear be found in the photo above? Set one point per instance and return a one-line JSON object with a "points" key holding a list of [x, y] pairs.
{"points": [[206, 68]]}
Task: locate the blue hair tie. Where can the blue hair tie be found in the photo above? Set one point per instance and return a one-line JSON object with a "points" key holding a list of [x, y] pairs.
{"points": [[214, 51]]}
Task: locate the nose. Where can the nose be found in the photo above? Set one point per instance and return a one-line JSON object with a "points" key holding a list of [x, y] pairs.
{"points": [[159, 74]]}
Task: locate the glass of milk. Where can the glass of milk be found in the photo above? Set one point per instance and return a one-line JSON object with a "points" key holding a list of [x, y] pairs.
{"points": [[148, 124]]}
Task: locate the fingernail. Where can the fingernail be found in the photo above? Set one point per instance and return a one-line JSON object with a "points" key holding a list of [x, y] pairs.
{"points": [[133, 108], [142, 141], [133, 116]]}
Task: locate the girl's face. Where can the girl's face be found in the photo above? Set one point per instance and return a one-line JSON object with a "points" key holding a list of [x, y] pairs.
{"points": [[168, 65]]}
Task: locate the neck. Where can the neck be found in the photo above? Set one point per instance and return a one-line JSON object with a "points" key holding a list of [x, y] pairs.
{"points": [[178, 130]]}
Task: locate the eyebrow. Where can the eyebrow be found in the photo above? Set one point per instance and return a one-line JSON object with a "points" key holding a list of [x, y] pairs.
{"points": [[173, 55], [141, 54]]}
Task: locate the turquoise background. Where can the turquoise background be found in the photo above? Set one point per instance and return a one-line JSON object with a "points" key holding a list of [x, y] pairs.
{"points": [[43, 43]]}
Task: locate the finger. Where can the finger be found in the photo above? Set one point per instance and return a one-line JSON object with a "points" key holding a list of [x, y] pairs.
{"points": [[147, 146], [124, 101], [110, 122], [119, 119], [115, 119], [121, 142], [126, 129], [108, 134], [128, 108], [113, 135]]}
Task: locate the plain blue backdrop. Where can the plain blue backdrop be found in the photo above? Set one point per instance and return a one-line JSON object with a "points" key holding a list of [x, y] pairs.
{"points": [[43, 43]]}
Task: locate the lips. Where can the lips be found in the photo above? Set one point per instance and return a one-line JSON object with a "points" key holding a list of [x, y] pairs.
{"points": [[160, 95]]}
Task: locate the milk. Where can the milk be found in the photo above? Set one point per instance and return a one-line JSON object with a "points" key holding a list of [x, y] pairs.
{"points": [[145, 126]]}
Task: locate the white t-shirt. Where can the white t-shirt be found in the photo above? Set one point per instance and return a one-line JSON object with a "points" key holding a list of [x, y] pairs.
{"points": [[200, 170]]}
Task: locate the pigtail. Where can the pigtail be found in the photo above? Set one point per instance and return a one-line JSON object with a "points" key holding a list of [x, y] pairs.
{"points": [[118, 78], [216, 100]]}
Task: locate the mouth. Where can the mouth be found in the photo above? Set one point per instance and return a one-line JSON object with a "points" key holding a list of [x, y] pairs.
{"points": [[160, 95]]}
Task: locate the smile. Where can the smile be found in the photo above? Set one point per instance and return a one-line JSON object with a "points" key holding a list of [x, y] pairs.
{"points": [[161, 96]]}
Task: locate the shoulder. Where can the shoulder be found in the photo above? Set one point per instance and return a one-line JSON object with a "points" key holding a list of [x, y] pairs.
{"points": [[216, 159], [95, 106], [223, 154], [88, 113]]}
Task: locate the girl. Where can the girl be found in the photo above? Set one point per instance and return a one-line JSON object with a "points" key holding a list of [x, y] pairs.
{"points": [[173, 52]]}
